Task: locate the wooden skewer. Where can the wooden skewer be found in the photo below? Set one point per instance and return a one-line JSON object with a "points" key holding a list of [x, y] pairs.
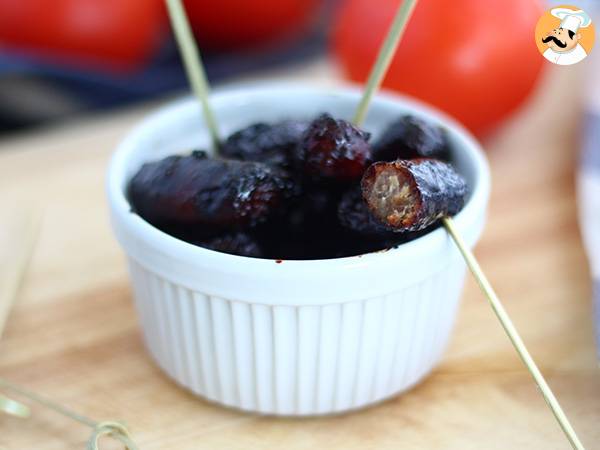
{"points": [[12, 271], [14, 408], [113, 429], [512, 333], [15, 263], [384, 58], [377, 73], [193, 65]]}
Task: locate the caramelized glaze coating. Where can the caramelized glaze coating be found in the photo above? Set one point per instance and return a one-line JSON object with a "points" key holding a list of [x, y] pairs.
{"points": [[291, 190], [275, 144], [198, 191], [410, 137], [335, 149], [412, 195]]}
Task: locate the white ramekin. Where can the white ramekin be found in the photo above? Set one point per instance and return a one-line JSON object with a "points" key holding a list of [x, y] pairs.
{"points": [[296, 337]]}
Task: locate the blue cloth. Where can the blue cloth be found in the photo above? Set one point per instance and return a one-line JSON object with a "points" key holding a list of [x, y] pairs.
{"points": [[163, 74], [26, 82]]}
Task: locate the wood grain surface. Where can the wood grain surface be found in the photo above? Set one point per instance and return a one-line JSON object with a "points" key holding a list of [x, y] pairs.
{"points": [[73, 334]]}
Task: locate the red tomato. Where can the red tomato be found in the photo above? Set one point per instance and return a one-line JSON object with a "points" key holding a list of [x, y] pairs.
{"points": [[118, 33], [227, 24], [475, 59]]}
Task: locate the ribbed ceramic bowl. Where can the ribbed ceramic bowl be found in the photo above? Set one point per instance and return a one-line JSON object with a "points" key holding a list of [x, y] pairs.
{"points": [[296, 337]]}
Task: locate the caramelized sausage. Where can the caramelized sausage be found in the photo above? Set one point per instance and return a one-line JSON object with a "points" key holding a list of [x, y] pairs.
{"points": [[335, 149], [411, 195], [196, 190], [410, 137]]}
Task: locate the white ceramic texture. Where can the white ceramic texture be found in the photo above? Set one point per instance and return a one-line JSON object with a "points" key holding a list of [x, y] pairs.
{"points": [[296, 337]]}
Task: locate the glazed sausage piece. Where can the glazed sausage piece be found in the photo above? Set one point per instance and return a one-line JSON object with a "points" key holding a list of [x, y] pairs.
{"points": [[368, 233], [334, 149], [275, 144], [411, 195], [410, 137], [196, 190]]}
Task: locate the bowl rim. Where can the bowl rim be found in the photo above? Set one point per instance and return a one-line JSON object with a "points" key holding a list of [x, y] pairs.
{"points": [[169, 245]]}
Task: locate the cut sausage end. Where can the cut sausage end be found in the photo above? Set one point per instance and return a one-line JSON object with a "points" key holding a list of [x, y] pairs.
{"points": [[391, 196]]}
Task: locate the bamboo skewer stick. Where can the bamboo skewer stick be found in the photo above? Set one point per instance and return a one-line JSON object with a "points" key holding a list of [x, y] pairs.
{"points": [[193, 65], [11, 277], [12, 270], [384, 58], [512, 333], [377, 73], [14, 408], [116, 430]]}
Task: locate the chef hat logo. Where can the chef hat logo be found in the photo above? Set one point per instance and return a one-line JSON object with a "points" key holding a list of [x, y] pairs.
{"points": [[565, 35], [572, 20]]}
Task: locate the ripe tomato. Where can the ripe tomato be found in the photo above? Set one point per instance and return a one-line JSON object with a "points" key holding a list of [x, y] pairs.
{"points": [[475, 59], [120, 34], [227, 24]]}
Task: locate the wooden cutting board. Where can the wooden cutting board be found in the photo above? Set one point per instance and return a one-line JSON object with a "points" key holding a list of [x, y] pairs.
{"points": [[73, 334]]}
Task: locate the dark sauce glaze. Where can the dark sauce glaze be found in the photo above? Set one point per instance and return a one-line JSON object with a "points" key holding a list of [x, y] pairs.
{"points": [[429, 190], [199, 191], [292, 190]]}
